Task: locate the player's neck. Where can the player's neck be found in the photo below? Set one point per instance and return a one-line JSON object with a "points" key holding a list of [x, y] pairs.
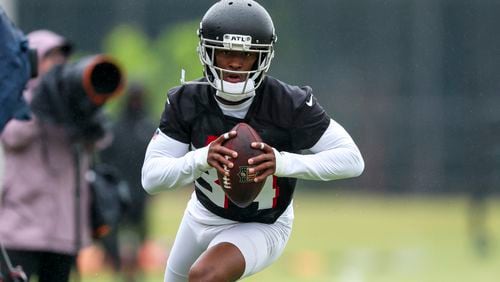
{"points": [[238, 110]]}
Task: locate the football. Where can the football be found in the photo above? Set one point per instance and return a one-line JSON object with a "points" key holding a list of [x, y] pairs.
{"points": [[239, 186]]}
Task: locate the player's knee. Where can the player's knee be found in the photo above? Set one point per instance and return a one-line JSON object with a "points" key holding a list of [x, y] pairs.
{"points": [[205, 273]]}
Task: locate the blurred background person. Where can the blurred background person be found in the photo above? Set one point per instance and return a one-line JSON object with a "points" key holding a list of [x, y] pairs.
{"points": [[39, 228], [131, 134], [16, 68]]}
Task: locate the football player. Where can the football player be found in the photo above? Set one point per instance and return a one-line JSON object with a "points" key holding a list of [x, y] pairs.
{"points": [[217, 240]]}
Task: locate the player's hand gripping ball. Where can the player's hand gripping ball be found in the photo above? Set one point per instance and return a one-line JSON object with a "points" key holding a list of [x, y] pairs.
{"points": [[240, 186]]}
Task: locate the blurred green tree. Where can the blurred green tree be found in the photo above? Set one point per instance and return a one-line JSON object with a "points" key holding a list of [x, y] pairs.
{"points": [[155, 63]]}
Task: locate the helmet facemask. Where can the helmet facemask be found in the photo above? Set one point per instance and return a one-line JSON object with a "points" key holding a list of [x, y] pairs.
{"points": [[241, 43]]}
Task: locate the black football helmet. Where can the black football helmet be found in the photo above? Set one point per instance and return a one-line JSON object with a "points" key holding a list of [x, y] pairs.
{"points": [[236, 25]]}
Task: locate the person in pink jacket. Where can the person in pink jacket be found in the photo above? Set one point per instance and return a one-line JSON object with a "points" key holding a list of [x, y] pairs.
{"points": [[38, 207]]}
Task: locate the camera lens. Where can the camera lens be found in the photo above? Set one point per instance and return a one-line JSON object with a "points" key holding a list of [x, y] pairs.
{"points": [[105, 78]]}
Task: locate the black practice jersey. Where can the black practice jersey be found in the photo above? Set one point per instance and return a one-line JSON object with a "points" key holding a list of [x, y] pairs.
{"points": [[284, 116]]}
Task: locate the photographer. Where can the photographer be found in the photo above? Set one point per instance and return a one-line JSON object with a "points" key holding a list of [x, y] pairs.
{"points": [[42, 226]]}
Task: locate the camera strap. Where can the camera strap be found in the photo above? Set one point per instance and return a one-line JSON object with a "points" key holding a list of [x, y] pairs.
{"points": [[15, 273], [6, 258]]}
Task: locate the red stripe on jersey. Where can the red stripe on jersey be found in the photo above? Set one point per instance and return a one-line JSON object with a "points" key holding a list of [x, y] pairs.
{"points": [[209, 139], [276, 191], [226, 202]]}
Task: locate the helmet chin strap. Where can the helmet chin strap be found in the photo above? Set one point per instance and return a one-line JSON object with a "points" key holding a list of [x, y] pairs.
{"points": [[235, 92]]}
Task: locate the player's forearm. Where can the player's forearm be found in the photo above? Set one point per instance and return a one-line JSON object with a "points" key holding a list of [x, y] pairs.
{"points": [[334, 156], [165, 167], [163, 173], [332, 164]]}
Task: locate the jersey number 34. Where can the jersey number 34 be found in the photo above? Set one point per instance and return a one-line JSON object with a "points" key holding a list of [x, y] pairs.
{"points": [[266, 199]]}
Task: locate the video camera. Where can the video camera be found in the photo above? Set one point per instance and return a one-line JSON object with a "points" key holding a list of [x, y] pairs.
{"points": [[71, 95]]}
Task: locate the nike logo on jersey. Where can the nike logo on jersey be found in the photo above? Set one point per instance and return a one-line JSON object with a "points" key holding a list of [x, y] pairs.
{"points": [[310, 101]]}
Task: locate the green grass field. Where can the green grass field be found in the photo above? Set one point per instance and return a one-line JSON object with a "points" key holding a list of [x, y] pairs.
{"points": [[354, 238]]}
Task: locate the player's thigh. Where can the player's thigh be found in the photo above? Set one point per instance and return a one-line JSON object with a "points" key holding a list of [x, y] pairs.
{"points": [[188, 246], [260, 244]]}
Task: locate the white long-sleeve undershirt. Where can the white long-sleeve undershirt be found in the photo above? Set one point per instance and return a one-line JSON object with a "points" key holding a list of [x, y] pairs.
{"points": [[334, 156], [168, 164]]}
